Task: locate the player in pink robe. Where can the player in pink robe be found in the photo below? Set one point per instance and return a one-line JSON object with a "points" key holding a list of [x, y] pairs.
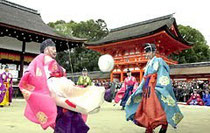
{"points": [[44, 86], [129, 86]]}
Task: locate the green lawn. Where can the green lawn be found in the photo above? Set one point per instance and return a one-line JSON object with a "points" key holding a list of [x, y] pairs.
{"points": [[109, 120]]}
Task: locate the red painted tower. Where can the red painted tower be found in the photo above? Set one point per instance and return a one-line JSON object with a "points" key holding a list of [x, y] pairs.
{"points": [[125, 44]]}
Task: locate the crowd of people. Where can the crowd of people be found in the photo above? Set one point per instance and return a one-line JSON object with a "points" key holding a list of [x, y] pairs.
{"points": [[194, 92]]}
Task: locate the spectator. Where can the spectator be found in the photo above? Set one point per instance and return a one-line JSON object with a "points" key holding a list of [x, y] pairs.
{"points": [[206, 98], [195, 99], [6, 78]]}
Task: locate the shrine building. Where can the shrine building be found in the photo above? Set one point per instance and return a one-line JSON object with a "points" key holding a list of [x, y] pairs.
{"points": [[125, 44], [21, 32]]}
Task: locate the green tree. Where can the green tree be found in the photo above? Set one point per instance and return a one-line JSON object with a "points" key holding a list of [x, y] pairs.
{"points": [[85, 58], [90, 29], [81, 57], [199, 51], [63, 28]]}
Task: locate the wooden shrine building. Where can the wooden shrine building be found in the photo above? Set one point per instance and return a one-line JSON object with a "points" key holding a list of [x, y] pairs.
{"points": [[125, 44], [21, 32]]}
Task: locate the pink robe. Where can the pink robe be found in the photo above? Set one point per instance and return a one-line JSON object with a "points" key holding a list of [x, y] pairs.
{"points": [[131, 82], [42, 94], [40, 108]]}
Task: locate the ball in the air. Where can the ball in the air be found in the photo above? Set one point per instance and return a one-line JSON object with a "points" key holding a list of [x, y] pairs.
{"points": [[106, 63]]}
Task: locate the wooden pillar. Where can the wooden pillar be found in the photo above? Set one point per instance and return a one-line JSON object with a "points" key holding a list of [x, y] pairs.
{"points": [[22, 59], [111, 76], [17, 66], [121, 76], [141, 74]]}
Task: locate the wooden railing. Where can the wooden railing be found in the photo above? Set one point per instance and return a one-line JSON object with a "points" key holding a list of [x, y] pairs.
{"points": [[133, 59]]}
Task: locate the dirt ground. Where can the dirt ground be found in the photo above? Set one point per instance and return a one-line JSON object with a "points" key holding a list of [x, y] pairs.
{"points": [[109, 120]]}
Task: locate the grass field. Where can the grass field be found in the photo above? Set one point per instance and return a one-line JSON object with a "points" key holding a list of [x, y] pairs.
{"points": [[109, 120]]}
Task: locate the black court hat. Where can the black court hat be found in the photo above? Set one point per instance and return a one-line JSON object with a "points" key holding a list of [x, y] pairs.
{"points": [[84, 69], [46, 43], [128, 71], [149, 47]]}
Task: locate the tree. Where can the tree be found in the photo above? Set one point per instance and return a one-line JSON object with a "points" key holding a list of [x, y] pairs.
{"points": [[92, 30], [81, 57], [200, 50], [63, 28], [85, 58]]}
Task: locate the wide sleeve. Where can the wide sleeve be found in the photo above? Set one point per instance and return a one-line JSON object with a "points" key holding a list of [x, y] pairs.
{"points": [[41, 107], [89, 81], [133, 102], [55, 69], [164, 84], [135, 84], [139, 89], [120, 94], [2, 89], [79, 82]]}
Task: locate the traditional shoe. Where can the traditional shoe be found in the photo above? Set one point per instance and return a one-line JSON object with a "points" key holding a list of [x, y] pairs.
{"points": [[149, 131], [163, 130], [123, 108]]}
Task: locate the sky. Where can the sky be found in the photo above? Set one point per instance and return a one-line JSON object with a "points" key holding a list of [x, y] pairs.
{"points": [[117, 13]]}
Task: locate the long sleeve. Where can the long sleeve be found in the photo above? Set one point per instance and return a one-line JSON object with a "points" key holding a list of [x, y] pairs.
{"points": [[80, 81], [33, 85], [84, 81], [89, 81], [165, 94], [164, 85]]}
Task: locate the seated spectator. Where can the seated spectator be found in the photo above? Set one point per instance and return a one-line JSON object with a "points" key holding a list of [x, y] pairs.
{"points": [[195, 99], [206, 98]]}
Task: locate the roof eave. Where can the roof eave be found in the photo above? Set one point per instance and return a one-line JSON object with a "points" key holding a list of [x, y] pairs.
{"points": [[43, 34], [163, 28], [181, 39]]}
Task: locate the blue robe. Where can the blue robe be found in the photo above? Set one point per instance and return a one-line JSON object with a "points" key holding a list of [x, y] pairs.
{"points": [[163, 90], [206, 99]]}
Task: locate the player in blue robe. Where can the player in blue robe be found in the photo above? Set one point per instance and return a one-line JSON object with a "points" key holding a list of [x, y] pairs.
{"points": [[154, 103]]}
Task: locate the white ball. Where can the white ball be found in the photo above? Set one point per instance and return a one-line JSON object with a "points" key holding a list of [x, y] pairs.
{"points": [[106, 63]]}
